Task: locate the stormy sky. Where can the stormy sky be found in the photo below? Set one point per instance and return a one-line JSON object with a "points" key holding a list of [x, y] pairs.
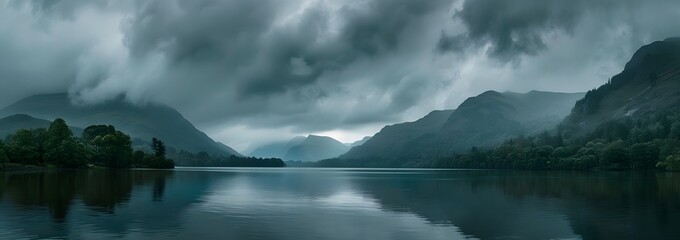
{"points": [[252, 71]]}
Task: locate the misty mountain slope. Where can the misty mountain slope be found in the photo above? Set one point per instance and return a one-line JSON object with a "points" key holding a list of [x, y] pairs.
{"points": [[11, 124], [142, 122], [276, 150], [492, 117], [360, 142], [649, 82], [484, 120], [315, 148], [393, 139], [311, 148]]}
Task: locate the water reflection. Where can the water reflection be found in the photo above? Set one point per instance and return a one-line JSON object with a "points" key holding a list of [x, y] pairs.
{"points": [[200, 203]]}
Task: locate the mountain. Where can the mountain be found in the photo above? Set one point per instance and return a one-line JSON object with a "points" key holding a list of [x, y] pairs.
{"points": [[484, 120], [140, 122], [315, 148], [310, 148], [492, 117], [630, 122], [11, 124], [276, 150], [398, 136], [358, 143], [648, 84]]}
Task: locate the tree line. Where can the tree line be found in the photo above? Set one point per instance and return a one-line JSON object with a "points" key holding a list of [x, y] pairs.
{"points": [[203, 159], [650, 142], [99, 145]]}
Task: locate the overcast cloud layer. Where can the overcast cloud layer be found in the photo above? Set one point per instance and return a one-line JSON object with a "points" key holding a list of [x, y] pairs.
{"points": [[261, 70]]}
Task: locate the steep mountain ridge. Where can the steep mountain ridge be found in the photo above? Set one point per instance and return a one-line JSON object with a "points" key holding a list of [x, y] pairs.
{"points": [[649, 83], [360, 142]]}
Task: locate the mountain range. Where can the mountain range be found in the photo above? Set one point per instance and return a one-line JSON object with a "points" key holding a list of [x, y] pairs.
{"points": [[484, 120], [141, 122], [305, 149], [647, 85]]}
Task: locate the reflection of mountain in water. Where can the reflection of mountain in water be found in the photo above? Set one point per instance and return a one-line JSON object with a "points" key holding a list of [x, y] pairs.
{"points": [[538, 205], [339, 204]]}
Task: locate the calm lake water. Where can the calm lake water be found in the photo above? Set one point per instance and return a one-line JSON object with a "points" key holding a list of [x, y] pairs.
{"points": [[246, 203]]}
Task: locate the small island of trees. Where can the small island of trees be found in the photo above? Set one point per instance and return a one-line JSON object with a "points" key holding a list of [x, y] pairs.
{"points": [[99, 146]]}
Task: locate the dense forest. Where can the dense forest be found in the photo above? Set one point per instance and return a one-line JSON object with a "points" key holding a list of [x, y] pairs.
{"points": [[100, 146], [651, 142]]}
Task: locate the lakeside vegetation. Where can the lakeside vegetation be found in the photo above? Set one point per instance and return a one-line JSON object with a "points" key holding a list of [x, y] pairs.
{"points": [[651, 142], [100, 146]]}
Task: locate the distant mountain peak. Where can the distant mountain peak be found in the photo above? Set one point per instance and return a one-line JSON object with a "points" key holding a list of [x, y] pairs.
{"points": [[310, 148]]}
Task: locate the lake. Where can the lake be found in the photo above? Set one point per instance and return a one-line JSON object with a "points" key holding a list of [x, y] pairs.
{"points": [[305, 203]]}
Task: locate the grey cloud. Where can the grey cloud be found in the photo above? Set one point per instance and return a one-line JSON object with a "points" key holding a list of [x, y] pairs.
{"points": [[316, 65], [514, 28], [249, 61], [511, 27], [240, 41]]}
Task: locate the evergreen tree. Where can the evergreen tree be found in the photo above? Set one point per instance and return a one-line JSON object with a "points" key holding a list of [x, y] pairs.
{"points": [[158, 148], [159, 160]]}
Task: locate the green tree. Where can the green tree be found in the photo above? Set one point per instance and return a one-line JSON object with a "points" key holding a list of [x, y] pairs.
{"points": [[61, 147], [91, 132], [158, 160], [109, 147], [58, 132], [69, 153], [615, 156], [26, 146], [675, 130], [644, 155], [3, 158], [114, 150], [138, 157], [672, 163], [158, 147]]}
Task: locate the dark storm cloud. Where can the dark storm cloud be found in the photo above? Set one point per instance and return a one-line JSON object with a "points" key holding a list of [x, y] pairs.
{"points": [[513, 28], [232, 35]]}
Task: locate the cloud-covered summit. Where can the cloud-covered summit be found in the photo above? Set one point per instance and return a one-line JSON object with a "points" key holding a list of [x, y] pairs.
{"points": [[256, 70]]}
